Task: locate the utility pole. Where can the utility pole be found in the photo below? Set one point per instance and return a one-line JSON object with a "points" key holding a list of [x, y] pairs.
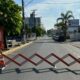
{"points": [[23, 10], [23, 22], [34, 22]]}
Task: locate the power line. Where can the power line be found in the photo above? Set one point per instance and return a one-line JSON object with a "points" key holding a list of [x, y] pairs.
{"points": [[62, 3], [28, 3], [78, 2]]}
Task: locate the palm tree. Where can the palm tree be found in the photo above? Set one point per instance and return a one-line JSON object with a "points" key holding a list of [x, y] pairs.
{"points": [[62, 22]]}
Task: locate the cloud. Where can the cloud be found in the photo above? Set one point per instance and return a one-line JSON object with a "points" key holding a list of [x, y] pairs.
{"points": [[43, 8], [48, 22], [50, 12]]}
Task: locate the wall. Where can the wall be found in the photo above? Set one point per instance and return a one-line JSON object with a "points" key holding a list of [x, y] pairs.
{"points": [[75, 36]]}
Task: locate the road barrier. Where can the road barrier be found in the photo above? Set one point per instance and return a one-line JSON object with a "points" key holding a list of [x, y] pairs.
{"points": [[2, 62], [26, 59]]}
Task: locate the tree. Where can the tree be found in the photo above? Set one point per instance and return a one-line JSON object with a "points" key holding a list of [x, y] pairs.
{"points": [[28, 30], [62, 22], [10, 17], [39, 31], [43, 30]]}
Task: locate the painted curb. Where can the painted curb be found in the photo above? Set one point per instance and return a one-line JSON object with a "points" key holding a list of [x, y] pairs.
{"points": [[76, 46], [17, 48]]}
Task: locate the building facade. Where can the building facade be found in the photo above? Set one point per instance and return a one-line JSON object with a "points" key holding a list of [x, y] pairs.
{"points": [[73, 29], [33, 21], [73, 25]]}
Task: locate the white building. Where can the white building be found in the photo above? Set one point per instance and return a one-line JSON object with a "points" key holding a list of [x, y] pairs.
{"points": [[33, 21], [73, 25]]}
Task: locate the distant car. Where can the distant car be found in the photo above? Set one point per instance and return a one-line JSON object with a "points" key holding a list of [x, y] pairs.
{"points": [[49, 35], [59, 38], [55, 37]]}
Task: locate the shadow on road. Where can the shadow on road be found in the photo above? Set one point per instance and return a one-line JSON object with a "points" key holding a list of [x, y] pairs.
{"points": [[49, 42], [44, 70], [44, 42], [46, 39]]}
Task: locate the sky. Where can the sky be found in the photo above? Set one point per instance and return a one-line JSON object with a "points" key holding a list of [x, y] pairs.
{"points": [[50, 10]]}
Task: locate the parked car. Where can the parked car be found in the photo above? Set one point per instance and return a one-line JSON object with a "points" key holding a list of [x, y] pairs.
{"points": [[58, 37], [55, 37], [13, 41]]}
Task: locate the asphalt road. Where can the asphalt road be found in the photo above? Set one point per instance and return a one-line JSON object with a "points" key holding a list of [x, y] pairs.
{"points": [[44, 46]]}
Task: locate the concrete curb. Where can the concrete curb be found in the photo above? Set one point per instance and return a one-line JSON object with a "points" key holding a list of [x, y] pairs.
{"points": [[76, 46], [17, 48]]}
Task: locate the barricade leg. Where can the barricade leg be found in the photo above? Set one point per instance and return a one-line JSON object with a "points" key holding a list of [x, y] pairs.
{"points": [[0, 71], [18, 70]]}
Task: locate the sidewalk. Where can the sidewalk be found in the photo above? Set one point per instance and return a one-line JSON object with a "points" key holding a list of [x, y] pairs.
{"points": [[75, 44], [7, 52]]}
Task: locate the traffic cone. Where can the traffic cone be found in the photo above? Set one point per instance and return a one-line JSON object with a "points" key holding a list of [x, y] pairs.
{"points": [[2, 62]]}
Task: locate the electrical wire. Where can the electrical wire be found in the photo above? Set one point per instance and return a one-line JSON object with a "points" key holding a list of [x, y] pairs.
{"points": [[28, 3], [78, 2], [62, 3]]}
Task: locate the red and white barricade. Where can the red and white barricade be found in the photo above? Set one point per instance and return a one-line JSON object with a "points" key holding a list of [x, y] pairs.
{"points": [[2, 62]]}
